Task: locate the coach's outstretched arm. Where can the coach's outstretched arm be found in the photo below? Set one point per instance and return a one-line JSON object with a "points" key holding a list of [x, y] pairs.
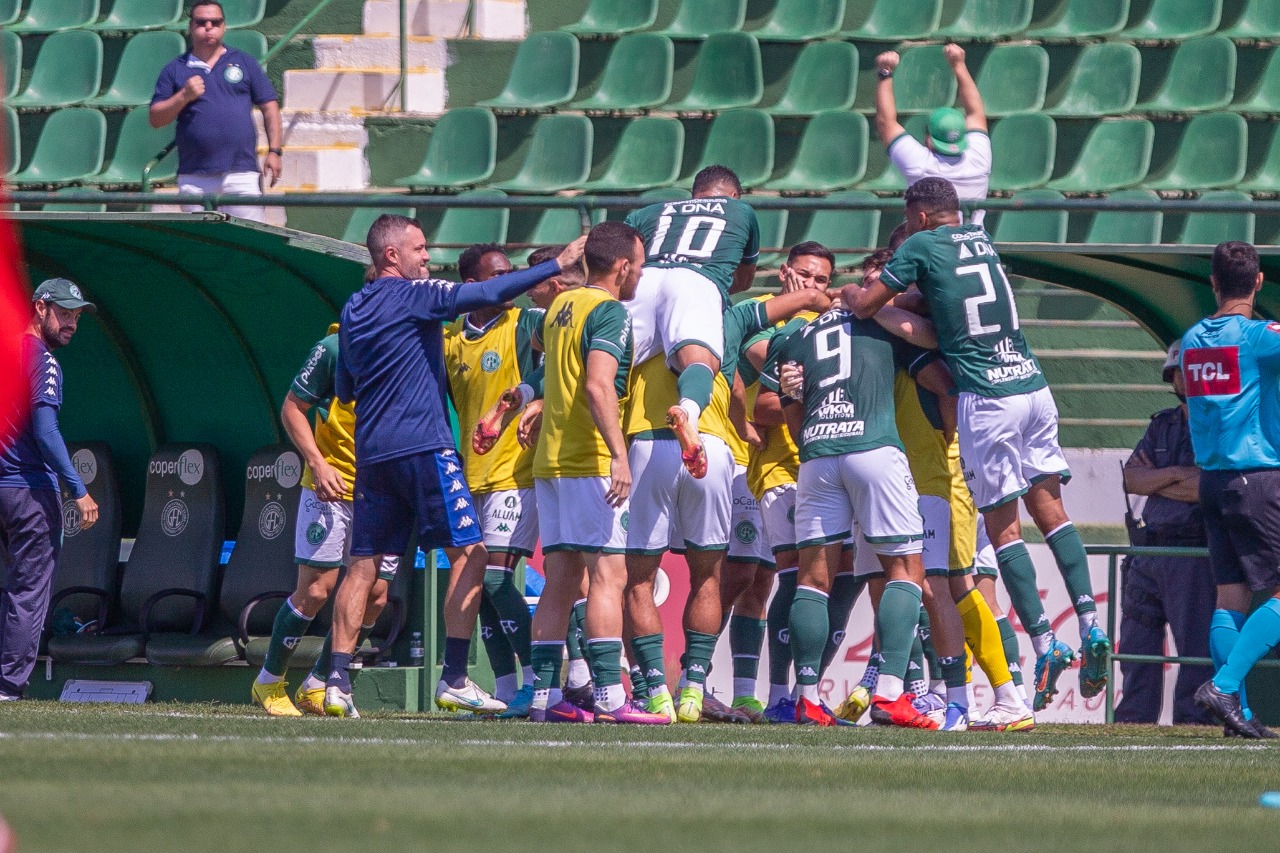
{"points": [[504, 288]]}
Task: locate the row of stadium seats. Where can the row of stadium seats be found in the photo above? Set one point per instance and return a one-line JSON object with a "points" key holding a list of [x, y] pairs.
{"points": [[835, 150], [1105, 78], [175, 602], [68, 68], [52, 16], [896, 20], [73, 145]]}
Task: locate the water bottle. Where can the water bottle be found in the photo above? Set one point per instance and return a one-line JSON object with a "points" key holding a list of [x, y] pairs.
{"points": [[416, 652]]}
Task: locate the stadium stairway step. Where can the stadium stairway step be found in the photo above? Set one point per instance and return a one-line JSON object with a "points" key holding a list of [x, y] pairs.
{"points": [[490, 19], [328, 167], [364, 90], [378, 51]]}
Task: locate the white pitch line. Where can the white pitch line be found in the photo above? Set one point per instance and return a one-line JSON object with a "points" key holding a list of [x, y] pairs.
{"points": [[570, 744]]}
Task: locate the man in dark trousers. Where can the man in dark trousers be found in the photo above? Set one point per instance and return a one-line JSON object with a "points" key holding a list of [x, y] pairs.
{"points": [[32, 459], [1160, 591]]}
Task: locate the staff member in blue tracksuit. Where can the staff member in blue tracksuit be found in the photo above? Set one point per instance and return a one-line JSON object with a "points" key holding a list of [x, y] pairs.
{"points": [[32, 461], [1231, 364]]}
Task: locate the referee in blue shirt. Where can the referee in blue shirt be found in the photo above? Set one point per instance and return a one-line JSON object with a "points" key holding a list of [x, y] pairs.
{"points": [[32, 461], [1231, 365]]}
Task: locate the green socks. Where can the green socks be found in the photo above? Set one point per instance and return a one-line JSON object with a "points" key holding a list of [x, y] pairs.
{"points": [[845, 589], [605, 656], [779, 620], [746, 636], [546, 659], [513, 612], [289, 627], [809, 627], [896, 626], [1019, 576], [1012, 654], [648, 651], [576, 634], [502, 657], [699, 648], [696, 383], [1073, 563]]}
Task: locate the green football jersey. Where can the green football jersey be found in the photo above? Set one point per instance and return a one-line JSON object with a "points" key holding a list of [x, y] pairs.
{"points": [[849, 366], [960, 274], [711, 236]]}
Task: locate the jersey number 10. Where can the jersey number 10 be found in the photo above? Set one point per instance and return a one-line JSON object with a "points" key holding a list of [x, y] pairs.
{"points": [[714, 230]]}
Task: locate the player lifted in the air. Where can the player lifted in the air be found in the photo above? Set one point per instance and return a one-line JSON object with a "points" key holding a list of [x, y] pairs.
{"points": [[697, 252], [1008, 422]]}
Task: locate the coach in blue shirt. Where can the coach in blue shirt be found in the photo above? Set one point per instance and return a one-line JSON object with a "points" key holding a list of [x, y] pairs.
{"points": [[33, 459], [1231, 366], [212, 91]]}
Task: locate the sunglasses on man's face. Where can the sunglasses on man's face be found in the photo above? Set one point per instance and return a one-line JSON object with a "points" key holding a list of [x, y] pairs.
{"points": [[207, 22]]}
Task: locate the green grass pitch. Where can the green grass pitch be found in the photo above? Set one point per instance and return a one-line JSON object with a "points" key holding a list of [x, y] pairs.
{"points": [[221, 778]]}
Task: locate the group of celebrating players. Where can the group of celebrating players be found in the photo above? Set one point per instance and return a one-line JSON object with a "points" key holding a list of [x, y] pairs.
{"points": [[795, 448]]}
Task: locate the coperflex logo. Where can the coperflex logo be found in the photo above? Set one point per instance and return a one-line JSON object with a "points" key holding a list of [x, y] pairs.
{"points": [[86, 465], [189, 467], [286, 470]]}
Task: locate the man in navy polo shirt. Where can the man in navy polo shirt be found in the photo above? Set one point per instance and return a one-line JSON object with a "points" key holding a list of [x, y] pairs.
{"points": [[211, 91], [30, 466]]}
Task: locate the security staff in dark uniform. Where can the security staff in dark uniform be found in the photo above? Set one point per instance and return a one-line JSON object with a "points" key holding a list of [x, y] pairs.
{"points": [[1160, 591]]}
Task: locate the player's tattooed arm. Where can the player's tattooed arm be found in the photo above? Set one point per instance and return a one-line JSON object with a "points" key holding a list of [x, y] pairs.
{"points": [[293, 416]]}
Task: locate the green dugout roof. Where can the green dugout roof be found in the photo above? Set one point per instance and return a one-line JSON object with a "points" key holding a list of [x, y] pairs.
{"points": [[203, 321]]}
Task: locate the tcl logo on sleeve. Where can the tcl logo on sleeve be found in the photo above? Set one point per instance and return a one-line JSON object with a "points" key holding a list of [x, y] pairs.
{"points": [[1211, 371]]}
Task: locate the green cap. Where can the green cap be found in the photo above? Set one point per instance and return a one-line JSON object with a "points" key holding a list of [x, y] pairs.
{"points": [[62, 292], [946, 130]]}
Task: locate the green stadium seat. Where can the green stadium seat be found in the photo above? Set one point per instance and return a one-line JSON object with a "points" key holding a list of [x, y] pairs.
{"points": [[1115, 154], [1073, 20], [69, 150], [637, 75], [653, 196], [1210, 229], [924, 80], [841, 229], [11, 57], [78, 206], [882, 176], [244, 13], [1022, 151], [1013, 79], [728, 75], [461, 152], [1261, 94], [464, 226], [543, 76], [140, 63], [1263, 174], [893, 20], [1126, 226], [1212, 150], [832, 155], [1032, 226], [251, 42], [1259, 20], [68, 70], [1102, 80], [823, 77], [136, 144], [558, 158], [743, 141], [1201, 76], [52, 16], [987, 20], [357, 230], [802, 20], [136, 15], [1172, 20], [10, 11], [697, 19], [773, 235], [609, 18], [11, 153], [648, 154]]}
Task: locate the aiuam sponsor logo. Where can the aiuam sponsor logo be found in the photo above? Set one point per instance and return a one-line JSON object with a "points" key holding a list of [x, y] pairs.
{"points": [[189, 467], [86, 465], [286, 470]]}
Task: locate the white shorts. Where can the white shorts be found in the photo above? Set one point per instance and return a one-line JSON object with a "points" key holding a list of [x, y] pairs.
{"points": [[573, 516], [509, 519], [778, 513], [322, 536], [865, 563], [1008, 444], [747, 541], [936, 514], [873, 488], [670, 510], [228, 183], [674, 306]]}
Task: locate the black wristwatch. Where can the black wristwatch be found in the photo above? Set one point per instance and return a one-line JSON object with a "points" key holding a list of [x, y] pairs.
{"points": [[279, 152], [884, 73]]}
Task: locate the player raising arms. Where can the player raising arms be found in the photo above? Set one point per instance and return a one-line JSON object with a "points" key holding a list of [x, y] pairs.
{"points": [[697, 253], [1008, 423]]}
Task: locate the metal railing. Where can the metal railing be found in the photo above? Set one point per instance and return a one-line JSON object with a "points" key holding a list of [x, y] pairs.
{"points": [[1113, 553]]}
